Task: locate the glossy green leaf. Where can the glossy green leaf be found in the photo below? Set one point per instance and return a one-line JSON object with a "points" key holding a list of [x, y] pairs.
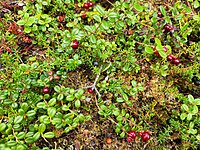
{"points": [[31, 113], [138, 7], [52, 102], [149, 50], [2, 127], [93, 39], [36, 136], [162, 10], [100, 10], [97, 18], [42, 128], [51, 111], [77, 103], [18, 119], [30, 21], [185, 107], [49, 135]]}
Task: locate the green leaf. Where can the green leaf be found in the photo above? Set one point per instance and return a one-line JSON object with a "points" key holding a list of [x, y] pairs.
{"points": [[189, 116], [31, 113], [162, 54], [67, 129], [185, 107], [21, 135], [120, 100], [11, 143], [70, 98], [42, 128], [149, 50], [191, 126], [100, 10], [97, 18], [192, 131], [197, 101], [18, 119], [112, 15], [27, 29], [183, 116], [60, 97], [191, 99], [196, 4], [88, 28], [57, 88], [158, 42], [198, 137], [138, 7], [77, 103], [51, 111], [20, 22], [195, 109], [29, 140], [49, 135], [162, 10], [52, 102], [105, 25], [30, 21], [93, 39], [36, 136], [2, 127], [41, 105], [122, 135]]}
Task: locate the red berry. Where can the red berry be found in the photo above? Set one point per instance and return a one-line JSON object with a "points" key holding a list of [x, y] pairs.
{"points": [[90, 4], [140, 133], [159, 14], [75, 44], [145, 136], [45, 90], [165, 49], [168, 27], [90, 90], [132, 134], [169, 57], [129, 139], [86, 5], [24, 91], [176, 61], [83, 16]]}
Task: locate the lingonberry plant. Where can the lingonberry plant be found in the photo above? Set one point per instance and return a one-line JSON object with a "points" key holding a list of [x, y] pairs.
{"points": [[91, 74]]}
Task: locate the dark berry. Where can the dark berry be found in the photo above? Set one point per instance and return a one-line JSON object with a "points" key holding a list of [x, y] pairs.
{"points": [[86, 5], [168, 27], [75, 44], [176, 61], [83, 16], [45, 90], [90, 4], [159, 14], [140, 133], [145, 136], [90, 90], [132, 134], [169, 57], [152, 40], [129, 139]]}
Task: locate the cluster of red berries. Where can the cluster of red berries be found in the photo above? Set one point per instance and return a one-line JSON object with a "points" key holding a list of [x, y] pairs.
{"points": [[143, 134], [168, 28], [170, 57], [87, 5]]}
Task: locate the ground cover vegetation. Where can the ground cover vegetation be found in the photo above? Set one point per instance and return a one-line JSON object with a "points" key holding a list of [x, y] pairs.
{"points": [[99, 74]]}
